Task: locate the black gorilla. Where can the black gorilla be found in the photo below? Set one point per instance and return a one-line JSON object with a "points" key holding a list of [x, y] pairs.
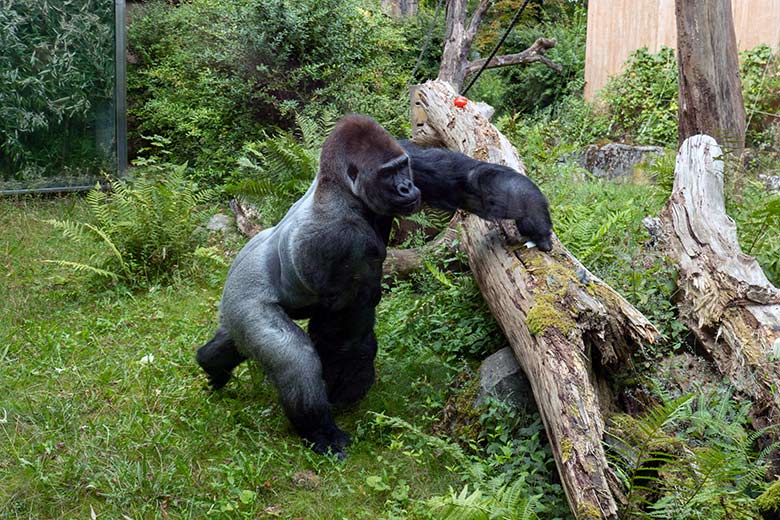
{"points": [[323, 261]]}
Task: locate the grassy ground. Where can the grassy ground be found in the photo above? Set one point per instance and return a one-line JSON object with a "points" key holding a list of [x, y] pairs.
{"points": [[104, 412]]}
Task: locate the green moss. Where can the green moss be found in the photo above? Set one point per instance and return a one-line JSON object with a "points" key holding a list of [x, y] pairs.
{"points": [[554, 273], [769, 500], [545, 314], [567, 449], [588, 511]]}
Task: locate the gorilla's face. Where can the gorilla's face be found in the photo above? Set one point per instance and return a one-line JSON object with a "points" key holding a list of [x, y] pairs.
{"points": [[389, 189]]}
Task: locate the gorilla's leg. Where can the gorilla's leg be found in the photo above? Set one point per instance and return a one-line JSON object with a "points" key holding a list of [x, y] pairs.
{"points": [[218, 358], [285, 351], [347, 347]]}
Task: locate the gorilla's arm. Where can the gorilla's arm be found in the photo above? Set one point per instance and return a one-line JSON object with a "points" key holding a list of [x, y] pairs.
{"points": [[451, 180]]}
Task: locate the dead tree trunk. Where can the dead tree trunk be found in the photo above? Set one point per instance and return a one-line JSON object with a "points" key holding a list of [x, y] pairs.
{"points": [[458, 38], [567, 328], [710, 97], [727, 300]]}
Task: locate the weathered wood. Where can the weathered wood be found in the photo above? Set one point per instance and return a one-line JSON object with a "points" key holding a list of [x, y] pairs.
{"points": [[401, 263], [710, 94], [532, 54], [566, 327], [726, 300], [458, 40]]}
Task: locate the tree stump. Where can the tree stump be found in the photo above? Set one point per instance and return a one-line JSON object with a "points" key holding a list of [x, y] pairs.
{"points": [[727, 300], [567, 328]]}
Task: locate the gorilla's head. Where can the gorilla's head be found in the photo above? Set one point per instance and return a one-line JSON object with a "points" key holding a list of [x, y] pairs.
{"points": [[367, 159]]}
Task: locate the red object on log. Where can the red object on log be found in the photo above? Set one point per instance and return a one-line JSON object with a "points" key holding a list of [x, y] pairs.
{"points": [[460, 101]]}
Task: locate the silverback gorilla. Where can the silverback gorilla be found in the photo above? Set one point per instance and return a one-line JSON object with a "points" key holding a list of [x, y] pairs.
{"points": [[323, 262]]}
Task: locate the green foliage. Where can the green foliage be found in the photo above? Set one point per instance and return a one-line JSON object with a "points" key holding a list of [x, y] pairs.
{"points": [[535, 86], [145, 228], [509, 502], [642, 100], [757, 214], [690, 458], [213, 73], [440, 312], [278, 170], [508, 468], [56, 74], [760, 75]]}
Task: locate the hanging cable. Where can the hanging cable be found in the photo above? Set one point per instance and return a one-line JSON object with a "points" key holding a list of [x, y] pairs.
{"points": [[495, 49], [427, 42]]}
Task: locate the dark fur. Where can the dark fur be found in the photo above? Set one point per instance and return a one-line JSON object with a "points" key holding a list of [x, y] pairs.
{"points": [[323, 261], [452, 180]]}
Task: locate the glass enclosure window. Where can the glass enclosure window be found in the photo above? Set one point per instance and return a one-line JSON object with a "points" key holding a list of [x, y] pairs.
{"points": [[60, 92]]}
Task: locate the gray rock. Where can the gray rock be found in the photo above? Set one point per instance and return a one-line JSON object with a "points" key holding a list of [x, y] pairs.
{"points": [[617, 160], [501, 377], [772, 182], [219, 223]]}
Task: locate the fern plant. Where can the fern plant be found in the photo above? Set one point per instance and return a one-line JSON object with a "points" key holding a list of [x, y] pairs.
{"points": [[143, 229], [689, 458], [509, 502], [278, 170]]}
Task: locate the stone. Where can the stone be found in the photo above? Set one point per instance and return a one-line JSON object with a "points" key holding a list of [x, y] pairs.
{"points": [[501, 377], [219, 223], [772, 182], [615, 160]]}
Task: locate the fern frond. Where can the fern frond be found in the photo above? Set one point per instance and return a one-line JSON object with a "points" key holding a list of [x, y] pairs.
{"points": [[80, 267]]}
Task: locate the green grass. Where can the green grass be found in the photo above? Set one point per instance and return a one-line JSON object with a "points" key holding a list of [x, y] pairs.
{"points": [[89, 423]]}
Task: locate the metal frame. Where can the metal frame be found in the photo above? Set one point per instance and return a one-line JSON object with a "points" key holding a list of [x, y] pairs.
{"points": [[120, 108], [120, 86]]}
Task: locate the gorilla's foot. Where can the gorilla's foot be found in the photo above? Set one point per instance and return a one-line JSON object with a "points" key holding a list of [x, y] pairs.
{"points": [[329, 441], [218, 358]]}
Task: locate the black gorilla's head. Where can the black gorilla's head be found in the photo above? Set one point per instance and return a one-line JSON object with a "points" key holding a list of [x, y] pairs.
{"points": [[374, 167]]}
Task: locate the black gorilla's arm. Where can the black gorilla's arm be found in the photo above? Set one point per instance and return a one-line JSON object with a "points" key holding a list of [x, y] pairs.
{"points": [[451, 180]]}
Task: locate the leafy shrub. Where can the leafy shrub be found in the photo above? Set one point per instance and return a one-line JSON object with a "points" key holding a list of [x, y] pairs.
{"points": [[56, 71], [758, 225], [211, 73], [144, 229], [642, 100], [445, 313], [511, 474], [760, 75], [535, 86]]}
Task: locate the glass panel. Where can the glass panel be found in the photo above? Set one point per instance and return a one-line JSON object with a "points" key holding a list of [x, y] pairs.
{"points": [[57, 92]]}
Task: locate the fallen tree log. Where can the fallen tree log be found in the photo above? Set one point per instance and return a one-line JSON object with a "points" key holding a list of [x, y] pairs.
{"points": [[726, 299], [568, 329]]}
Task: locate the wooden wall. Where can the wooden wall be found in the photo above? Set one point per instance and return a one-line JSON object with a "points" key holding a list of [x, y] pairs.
{"points": [[618, 27]]}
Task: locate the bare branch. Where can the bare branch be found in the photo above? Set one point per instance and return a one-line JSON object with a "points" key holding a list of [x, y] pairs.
{"points": [[533, 53], [476, 19]]}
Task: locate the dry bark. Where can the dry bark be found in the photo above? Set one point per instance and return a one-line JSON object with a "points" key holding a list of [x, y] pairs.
{"points": [[726, 300], [566, 327], [710, 97]]}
